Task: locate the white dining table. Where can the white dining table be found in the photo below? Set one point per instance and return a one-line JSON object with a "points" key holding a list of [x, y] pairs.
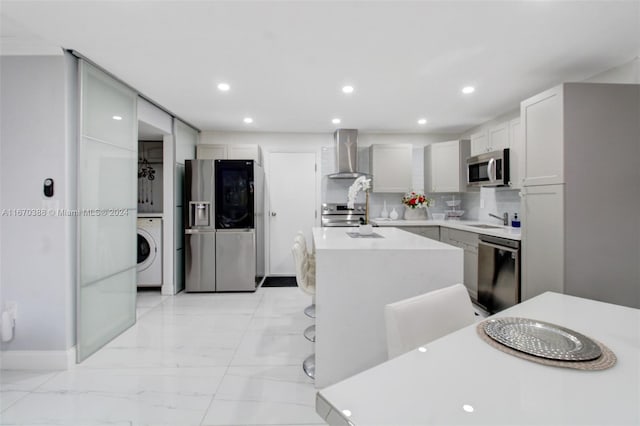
{"points": [[459, 379]]}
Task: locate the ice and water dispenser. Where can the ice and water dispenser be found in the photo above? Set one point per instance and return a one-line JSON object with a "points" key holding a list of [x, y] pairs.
{"points": [[200, 214]]}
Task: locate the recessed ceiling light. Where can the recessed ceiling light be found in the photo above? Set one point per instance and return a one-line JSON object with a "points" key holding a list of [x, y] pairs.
{"points": [[346, 413], [468, 89], [347, 89], [224, 87], [117, 117], [422, 121], [336, 121], [422, 349], [468, 408], [248, 120]]}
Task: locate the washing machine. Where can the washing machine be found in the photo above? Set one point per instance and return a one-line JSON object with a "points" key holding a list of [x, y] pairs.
{"points": [[149, 251]]}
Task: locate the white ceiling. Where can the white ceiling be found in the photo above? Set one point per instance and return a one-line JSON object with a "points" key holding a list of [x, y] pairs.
{"points": [[287, 61]]}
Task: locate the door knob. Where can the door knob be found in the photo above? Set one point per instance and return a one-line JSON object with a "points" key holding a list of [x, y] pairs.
{"points": [[273, 213]]}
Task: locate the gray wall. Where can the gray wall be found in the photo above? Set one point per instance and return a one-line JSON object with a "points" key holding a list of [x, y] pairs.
{"points": [[628, 73], [37, 257]]}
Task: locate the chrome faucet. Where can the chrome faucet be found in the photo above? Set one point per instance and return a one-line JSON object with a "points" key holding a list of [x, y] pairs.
{"points": [[504, 218]]}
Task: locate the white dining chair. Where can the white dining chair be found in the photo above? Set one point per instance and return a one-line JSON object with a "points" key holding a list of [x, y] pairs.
{"points": [[305, 277], [418, 320]]}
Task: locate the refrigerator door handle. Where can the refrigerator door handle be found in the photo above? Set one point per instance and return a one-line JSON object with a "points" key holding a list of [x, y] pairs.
{"points": [[198, 231]]}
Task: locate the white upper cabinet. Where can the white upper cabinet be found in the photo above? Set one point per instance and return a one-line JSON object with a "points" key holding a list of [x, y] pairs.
{"points": [[245, 152], [542, 117], [516, 153], [498, 137], [445, 166], [229, 152], [493, 139], [480, 143], [391, 167], [211, 152]]}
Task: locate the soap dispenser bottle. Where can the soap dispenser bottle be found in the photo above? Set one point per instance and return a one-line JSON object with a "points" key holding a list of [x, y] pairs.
{"points": [[515, 222]]}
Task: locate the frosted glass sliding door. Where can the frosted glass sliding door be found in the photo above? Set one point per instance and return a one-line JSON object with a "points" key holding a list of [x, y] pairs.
{"points": [[107, 179], [186, 139]]}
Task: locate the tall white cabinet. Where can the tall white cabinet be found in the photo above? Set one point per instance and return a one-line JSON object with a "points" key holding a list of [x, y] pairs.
{"points": [[581, 228]]}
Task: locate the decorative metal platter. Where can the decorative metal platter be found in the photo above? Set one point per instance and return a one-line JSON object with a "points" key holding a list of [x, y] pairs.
{"points": [[542, 339]]}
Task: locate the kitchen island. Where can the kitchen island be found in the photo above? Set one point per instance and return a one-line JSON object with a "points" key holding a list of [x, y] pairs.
{"points": [[356, 278]]}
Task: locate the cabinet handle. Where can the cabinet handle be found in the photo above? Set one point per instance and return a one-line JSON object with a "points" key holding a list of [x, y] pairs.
{"points": [[273, 213]]}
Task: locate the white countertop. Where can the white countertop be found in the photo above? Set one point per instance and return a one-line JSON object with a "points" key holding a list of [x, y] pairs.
{"points": [[392, 239], [463, 225], [431, 387]]}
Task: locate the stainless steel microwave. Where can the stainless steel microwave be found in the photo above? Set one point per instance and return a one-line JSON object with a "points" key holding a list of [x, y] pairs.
{"points": [[488, 169]]}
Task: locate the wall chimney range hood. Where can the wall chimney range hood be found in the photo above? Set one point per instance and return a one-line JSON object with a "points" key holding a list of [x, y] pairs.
{"points": [[346, 154]]}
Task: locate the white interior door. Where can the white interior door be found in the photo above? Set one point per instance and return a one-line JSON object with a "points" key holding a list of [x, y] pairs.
{"points": [[292, 189]]}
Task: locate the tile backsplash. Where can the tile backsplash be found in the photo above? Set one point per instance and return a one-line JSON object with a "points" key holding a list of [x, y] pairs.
{"points": [[477, 205]]}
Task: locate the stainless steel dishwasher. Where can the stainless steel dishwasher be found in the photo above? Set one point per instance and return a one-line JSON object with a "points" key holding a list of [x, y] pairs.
{"points": [[498, 273]]}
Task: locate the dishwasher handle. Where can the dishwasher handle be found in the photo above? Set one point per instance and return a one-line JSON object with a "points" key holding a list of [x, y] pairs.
{"points": [[499, 242], [499, 247]]}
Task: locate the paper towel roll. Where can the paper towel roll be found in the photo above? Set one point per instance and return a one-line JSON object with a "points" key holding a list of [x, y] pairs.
{"points": [[7, 326]]}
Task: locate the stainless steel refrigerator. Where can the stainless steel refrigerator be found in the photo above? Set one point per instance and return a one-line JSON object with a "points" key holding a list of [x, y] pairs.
{"points": [[224, 225], [200, 231], [239, 222]]}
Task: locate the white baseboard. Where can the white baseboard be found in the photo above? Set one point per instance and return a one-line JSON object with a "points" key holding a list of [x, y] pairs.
{"points": [[38, 360]]}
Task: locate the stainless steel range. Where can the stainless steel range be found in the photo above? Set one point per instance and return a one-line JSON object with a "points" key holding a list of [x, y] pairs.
{"points": [[339, 215]]}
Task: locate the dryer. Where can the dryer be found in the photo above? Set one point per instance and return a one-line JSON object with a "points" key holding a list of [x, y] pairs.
{"points": [[149, 251]]}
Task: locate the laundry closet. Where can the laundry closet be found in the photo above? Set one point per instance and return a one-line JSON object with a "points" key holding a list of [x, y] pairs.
{"points": [[150, 199]]}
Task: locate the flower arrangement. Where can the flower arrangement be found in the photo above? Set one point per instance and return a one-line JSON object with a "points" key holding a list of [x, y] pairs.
{"points": [[360, 184], [416, 200]]}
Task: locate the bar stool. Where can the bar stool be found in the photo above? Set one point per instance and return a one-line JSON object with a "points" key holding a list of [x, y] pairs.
{"points": [[310, 310], [305, 277]]}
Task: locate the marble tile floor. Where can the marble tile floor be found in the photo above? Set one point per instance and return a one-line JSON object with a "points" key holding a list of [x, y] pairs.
{"points": [[191, 359]]}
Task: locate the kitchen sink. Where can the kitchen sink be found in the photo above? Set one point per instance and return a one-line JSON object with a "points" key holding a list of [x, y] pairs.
{"points": [[483, 226]]}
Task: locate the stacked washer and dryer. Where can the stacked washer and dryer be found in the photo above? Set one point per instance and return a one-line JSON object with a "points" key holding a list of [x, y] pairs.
{"points": [[150, 197]]}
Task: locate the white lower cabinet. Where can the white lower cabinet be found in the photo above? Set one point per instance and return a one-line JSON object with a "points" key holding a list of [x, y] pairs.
{"points": [[471, 271], [542, 240], [432, 232], [468, 241]]}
